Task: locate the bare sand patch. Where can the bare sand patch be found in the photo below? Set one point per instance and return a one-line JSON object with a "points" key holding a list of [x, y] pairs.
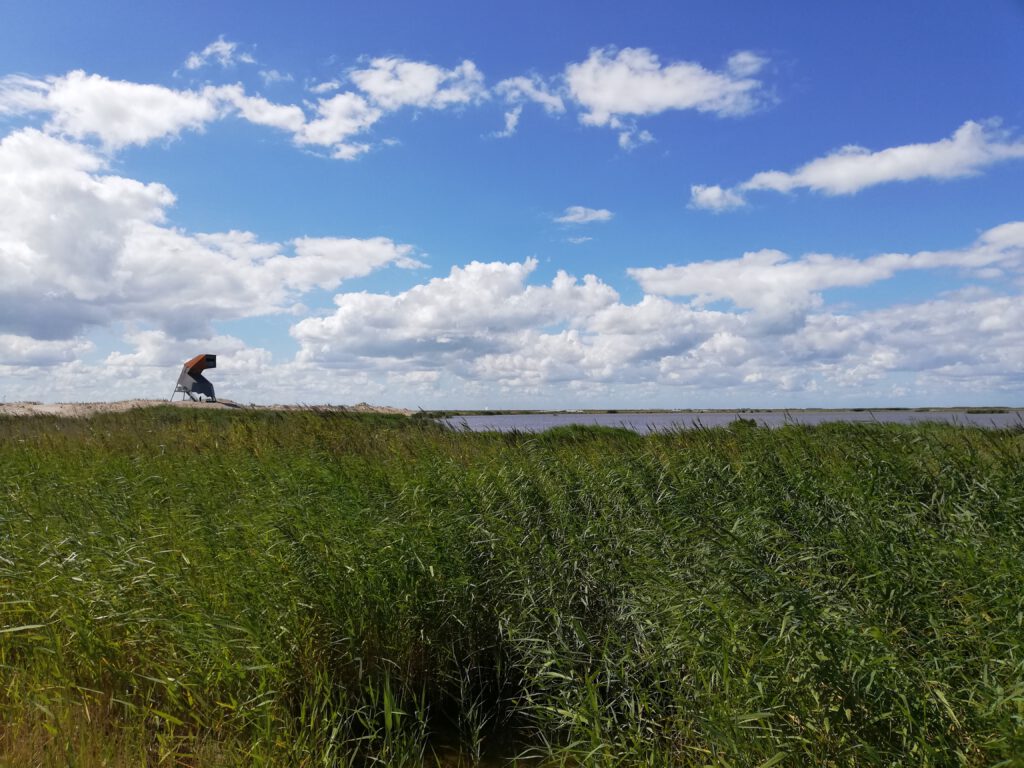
{"points": [[79, 410]]}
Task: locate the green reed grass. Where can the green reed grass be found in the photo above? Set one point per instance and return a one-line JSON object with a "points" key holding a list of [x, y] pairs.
{"points": [[322, 589]]}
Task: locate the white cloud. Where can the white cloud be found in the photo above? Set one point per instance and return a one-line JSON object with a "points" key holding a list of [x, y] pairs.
{"points": [[25, 350], [260, 111], [391, 83], [156, 349], [115, 112], [957, 340], [120, 113], [476, 309], [416, 378], [578, 214], [782, 291], [630, 138], [62, 226], [579, 240], [349, 151], [81, 247], [387, 84], [325, 262], [611, 88], [516, 90], [338, 118], [940, 351], [223, 52], [714, 198], [745, 64], [611, 85], [149, 368], [243, 374], [484, 322], [511, 123], [271, 76], [325, 87], [434, 345], [972, 147], [20, 95], [485, 334]]}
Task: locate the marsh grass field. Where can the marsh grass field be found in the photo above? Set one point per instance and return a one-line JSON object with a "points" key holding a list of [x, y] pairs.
{"points": [[208, 588]]}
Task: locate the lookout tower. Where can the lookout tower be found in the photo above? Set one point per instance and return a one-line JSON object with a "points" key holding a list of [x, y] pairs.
{"points": [[192, 382]]}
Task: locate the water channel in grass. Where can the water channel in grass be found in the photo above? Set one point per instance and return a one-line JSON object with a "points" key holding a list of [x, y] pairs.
{"points": [[660, 421]]}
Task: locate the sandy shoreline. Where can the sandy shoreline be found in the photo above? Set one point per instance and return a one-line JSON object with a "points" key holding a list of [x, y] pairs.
{"points": [[78, 410]]}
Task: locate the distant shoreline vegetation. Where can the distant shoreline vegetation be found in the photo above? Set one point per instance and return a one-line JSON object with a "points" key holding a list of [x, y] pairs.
{"points": [[662, 421], [312, 587], [449, 413]]}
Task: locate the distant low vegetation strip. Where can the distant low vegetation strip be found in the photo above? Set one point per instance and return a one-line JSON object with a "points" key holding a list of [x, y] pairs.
{"points": [[180, 587]]}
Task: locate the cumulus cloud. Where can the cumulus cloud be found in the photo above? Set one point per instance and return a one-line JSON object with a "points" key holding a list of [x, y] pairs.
{"points": [[631, 138], [488, 323], [392, 83], [782, 290], [260, 111], [115, 112], [386, 85], [25, 350], [615, 87], [511, 123], [943, 350], [480, 307], [120, 113], [745, 64], [517, 90], [631, 82], [220, 51], [960, 340], [81, 247], [153, 348], [972, 147], [327, 261], [714, 198], [20, 94], [490, 330], [271, 76], [578, 214], [339, 118], [148, 366], [611, 87], [325, 87]]}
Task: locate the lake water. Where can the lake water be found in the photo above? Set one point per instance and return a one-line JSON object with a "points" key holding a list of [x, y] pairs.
{"points": [[660, 422]]}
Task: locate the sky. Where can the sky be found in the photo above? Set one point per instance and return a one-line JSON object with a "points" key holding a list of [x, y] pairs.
{"points": [[516, 205]]}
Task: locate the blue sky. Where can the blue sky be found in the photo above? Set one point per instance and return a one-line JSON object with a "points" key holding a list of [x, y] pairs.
{"points": [[531, 205]]}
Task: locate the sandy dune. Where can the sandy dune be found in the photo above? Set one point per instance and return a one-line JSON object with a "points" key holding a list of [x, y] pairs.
{"points": [[28, 408]]}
